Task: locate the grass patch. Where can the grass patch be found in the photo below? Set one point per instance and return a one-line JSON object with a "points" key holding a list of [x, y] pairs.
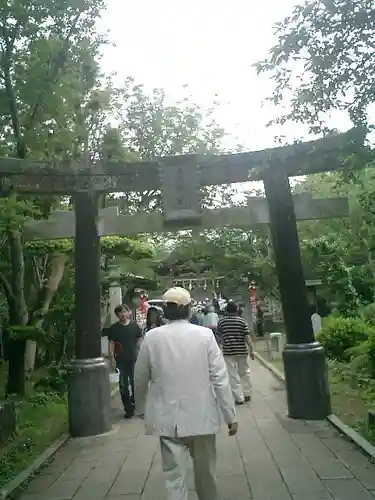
{"points": [[351, 398], [41, 419], [278, 364]]}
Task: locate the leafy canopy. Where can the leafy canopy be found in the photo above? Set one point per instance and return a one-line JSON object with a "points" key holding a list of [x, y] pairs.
{"points": [[324, 61]]}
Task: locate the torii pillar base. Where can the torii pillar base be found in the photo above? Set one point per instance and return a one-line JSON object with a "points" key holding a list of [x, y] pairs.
{"points": [[89, 397], [306, 380]]}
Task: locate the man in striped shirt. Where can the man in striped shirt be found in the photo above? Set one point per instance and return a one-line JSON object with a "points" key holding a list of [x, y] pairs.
{"points": [[234, 336]]}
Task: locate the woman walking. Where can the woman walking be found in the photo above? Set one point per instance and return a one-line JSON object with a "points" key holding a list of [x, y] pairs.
{"points": [[154, 318]]}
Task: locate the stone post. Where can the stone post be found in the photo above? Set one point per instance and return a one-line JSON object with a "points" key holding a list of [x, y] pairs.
{"points": [[89, 388], [115, 299], [115, 291], [304, 359]]}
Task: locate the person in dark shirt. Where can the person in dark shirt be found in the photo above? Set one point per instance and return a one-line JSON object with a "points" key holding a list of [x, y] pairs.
{"points": [[260, 319], [124, 337], [241, 308], [194, 319], [216, 304]]}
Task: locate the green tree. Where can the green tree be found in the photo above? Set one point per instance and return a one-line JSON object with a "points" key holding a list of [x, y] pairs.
{"points": [[57, 336], [47, 66], [324, 61], [150, 127], [238, 255], [341, 251]]}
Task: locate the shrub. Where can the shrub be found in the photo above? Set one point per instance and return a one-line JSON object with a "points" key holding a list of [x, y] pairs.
{"points": [[339, 335], [56, 380], [368, 314], [371, 353], [360, 365]]}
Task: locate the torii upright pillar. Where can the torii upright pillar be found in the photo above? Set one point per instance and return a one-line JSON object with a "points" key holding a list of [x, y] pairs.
{"points": [[89, 390], [305, 366]]}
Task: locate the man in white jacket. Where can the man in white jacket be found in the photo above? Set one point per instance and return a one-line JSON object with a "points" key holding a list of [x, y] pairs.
{"points": [[181, 371]]}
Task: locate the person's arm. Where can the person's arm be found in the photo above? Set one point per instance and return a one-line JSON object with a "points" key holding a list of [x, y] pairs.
{"points": [[140, 336], [142, 377], [253, 337], [218, 333], [248, 340], [220, 383], [111, 347]]}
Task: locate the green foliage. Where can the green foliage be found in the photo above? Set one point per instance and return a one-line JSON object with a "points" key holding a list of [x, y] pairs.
{"points": [[150, 126], [362, 360], [48, 74], [341, 251], [353, 395], [368, 314], [40, 248], [41, 419], [238, 255], [55, 381], [15, 211], [113, 246], [371, 353], [323, 61], [26, 332], [48, 65], [339, 335]]}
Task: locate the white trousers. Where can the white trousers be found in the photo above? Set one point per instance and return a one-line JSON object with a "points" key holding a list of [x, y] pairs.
{"points": [[174, 456], [239, 376]]}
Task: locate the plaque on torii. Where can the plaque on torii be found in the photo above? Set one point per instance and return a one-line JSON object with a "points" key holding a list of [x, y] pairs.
{"points": [[181, 195]]}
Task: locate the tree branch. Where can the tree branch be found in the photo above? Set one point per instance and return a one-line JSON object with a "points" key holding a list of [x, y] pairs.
{"points": [[18, 276], [48, 291], [37, 275], [7, 289], [6, 63]]}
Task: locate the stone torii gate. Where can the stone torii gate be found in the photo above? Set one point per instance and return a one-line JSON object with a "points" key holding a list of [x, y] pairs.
{"points": [[180, 179]]}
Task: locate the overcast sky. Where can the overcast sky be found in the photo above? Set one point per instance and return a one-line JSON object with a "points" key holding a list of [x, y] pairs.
{"points": [[210, 45]]}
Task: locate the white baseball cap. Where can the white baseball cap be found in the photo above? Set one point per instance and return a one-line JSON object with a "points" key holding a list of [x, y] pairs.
{"points": [[177, 295]]}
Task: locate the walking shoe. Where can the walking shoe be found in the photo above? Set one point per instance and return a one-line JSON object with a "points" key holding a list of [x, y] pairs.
{"points": [[247, 399], [239, 403]]}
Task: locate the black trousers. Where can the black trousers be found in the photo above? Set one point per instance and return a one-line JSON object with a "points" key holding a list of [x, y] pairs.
{"points": [[127, 380], [260, 329]]}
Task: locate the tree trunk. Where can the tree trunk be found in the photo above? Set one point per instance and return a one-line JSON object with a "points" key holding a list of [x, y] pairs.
{"points": [[62, 354], [16, 368], [17, 316], [30, 355], [46, 295]]}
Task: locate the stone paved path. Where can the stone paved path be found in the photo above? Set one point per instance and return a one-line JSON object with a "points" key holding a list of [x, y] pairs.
{"points": [[273, 458]]}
